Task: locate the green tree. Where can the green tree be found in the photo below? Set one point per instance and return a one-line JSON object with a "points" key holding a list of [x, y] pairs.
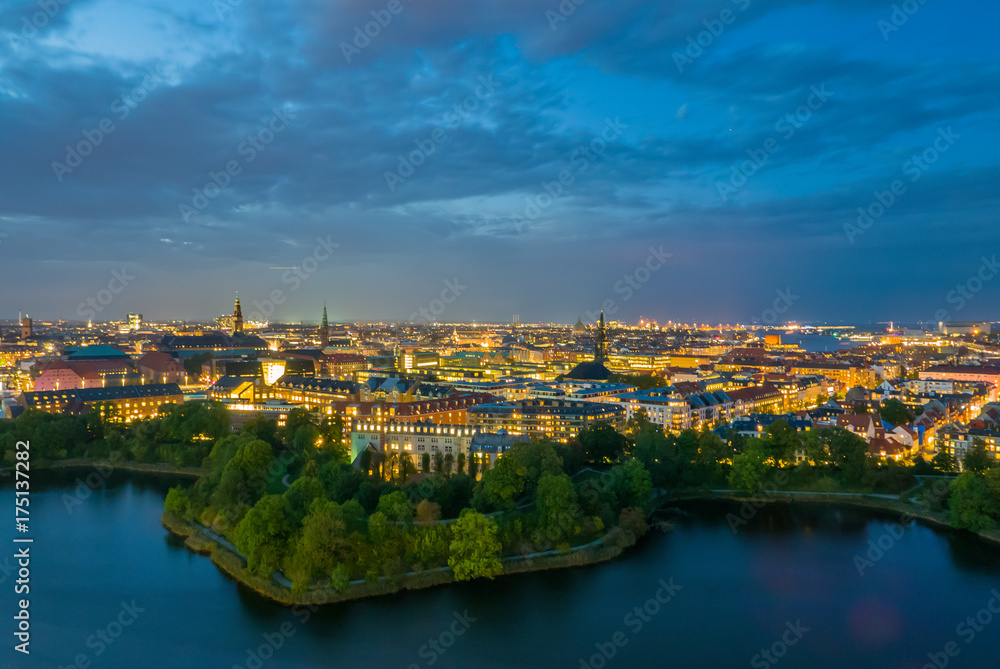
{"points": [[265, 429], [944, 461], [602, 443], [324, 536], [428, 512], [556, 500], [460, 463], [750, 468], [297, 418], [425, 462], [178, 501], [331, 433], [475, 549], [895, 412], [432, 544], [262, 535], [396, 506], [639, 423], [783, 441], [658, 454], [631, 484], [518, 471], [714, 456], [975, 501], [977, 459], [245, 476], [340, 578], [300, 497]]}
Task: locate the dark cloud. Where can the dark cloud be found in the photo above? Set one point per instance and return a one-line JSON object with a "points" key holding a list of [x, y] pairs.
{"points": [[508, 105]]}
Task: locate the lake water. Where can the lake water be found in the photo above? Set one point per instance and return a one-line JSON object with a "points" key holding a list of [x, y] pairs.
{"points": [[787, 582]]}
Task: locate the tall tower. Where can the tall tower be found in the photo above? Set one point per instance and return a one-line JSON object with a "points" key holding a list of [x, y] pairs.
{"points": [[238, 316], [324, 330], [601, 342], [26, 329]]}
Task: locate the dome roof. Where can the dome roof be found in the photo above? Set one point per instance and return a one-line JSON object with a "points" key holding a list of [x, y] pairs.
{"points": [[589, 371]]}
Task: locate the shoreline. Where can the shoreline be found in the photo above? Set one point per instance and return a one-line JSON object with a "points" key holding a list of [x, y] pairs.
{"points": [[605, 549], [938, 519], [105, 464], [232, 567]]}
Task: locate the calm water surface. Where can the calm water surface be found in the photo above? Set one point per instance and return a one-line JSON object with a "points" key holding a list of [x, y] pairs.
{"points": [[740, 594]]}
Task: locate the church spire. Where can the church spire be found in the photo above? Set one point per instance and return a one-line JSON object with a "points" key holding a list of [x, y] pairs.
{"points": [[601, 342], [237, 316], [324, 330]]}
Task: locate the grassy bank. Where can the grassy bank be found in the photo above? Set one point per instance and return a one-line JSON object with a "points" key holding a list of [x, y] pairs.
{"points": [[232, 565], [104, 464]]}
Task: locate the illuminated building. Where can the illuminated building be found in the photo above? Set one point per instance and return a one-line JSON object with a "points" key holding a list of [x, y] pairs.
{"points": [[594, 370], [626, 362], [451, 409], [127, 403], [242, 412], [846, 374], [964, 328], [157, 367], [135, 322], [963, 373], [312, 392], [412, 439], [343, 365], [560, 420], [957, 442], [237, 317], [324, 330]]}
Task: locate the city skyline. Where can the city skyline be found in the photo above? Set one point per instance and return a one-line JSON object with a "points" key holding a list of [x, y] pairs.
{"points": [[521, 152]]}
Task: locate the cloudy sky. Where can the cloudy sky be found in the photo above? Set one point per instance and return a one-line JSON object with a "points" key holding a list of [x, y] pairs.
{"points": [[695, 161]]}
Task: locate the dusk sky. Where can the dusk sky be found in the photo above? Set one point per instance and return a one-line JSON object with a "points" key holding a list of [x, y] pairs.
{"points": [[313, 119]]}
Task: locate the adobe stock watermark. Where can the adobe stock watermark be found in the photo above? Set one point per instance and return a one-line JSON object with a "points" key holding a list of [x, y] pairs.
{"points": [[771, 655], [294, 278], [714, 28], [39, 20], [364, 34], [432, 651], [225, 7], [787, 125], [766, 492], [121, 108], [436, 138], [634, 620], [968, 630], [878, 547], [248, 150], [119, 281], [965, 291], [580, 159], [914, 168], [562, 12], [900, 15], [633, 281], [782, 303], [94, 480], [106, 637], [452, 291], [273, 641]]}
